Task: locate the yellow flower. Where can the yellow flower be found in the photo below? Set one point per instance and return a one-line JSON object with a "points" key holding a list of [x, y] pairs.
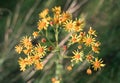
{"points": [[56, 10], [35, 34], [88, 40], [97, 44], [56, 20], [97, 64], [40, 50], [22, 64], [54, 80], [80, 47], [18, 49], [89, 71], [81, 37], [43, 24], [95, 49], [92, 32], [38, 65], [89, 57], [29, 60], [74, 38], [69, 68], [44, 13], [28, 51], [26, 41], [69, 25], [65, 16], [78, 56], [82, 34], [79, 25]]}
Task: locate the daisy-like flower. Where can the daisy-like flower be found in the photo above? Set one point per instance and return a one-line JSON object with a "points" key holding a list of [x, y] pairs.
{"points": [[38, 65], [79, 25], [81, 37], [26, 41], [69, 25], [89, 40], [44, 13], [30, 60], [82, 34], [43, 24], [97, 44], [65, 16], [56, 20], [35, 34], [74, 38], [36, 58], [18, 49], [40, 50], [56, 10], [95, 49], [89, 57], [28, 51], [97, 64], [78, 56], [92, 32], [22, 63]]}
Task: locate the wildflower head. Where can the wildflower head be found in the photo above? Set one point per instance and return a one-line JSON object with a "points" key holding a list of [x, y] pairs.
{"points": [[92, 32], [35, 34], [89, 71], [80, 47], [44, 13], [74, 38], [69, 68], [65, 16], [23, 64], [79, 25], [43, 40], [89, 40], [97, 64], [38, 65], [89, 57], [18, 49], [78, 56], [43, 24], [26, 41], [69, 25], [54, 80], [56, 10], [40, 50], [50, 48]]}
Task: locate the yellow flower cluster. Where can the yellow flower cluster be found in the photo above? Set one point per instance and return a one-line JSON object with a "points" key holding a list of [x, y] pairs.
{"points": [[86, 41], [33, 53], [87, 47]]}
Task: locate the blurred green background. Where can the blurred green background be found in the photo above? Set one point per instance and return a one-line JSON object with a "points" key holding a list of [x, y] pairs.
{"points": [[19, 17]]}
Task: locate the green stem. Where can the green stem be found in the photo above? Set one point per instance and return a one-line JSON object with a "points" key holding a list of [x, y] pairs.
{"points": [[59, 58], [56, 36]]}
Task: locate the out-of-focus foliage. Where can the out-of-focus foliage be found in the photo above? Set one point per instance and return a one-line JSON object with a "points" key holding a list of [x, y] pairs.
{"points": [[19, 17]]}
